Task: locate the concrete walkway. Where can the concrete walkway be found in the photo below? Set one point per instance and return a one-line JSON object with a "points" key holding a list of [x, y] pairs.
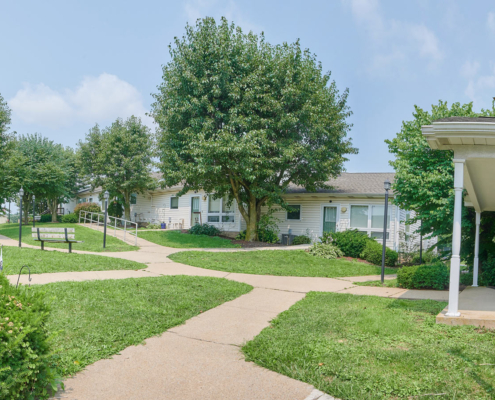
{"points": [[201, 359]]}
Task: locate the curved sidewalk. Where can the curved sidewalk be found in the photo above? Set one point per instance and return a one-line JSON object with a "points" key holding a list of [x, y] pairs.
{"points": [[201, 359]]}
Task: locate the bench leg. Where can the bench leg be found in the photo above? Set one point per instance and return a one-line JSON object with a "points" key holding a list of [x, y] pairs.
{"points": [[70, 247], [42, 245]]}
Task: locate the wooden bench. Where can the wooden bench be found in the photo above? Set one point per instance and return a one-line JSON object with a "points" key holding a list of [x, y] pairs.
{"points": [[55, 235]]}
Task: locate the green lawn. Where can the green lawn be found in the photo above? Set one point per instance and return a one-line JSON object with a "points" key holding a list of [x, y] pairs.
{"points": [[180, 240], [387, 283], [53, 261], [97, 319], [367, 348], [277, 262], [93, 240]]}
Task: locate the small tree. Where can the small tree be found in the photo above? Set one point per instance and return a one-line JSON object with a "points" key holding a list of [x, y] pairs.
{"points": [[42, 168], [119, 158], [424, 180], [243, 118]]}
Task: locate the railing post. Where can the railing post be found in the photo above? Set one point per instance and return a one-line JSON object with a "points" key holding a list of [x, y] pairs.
{"points": [[125, 227], [115, 218]]}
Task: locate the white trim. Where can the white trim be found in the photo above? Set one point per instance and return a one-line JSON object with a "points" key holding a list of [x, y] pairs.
{"points": [[300, 213], [322, 215]]}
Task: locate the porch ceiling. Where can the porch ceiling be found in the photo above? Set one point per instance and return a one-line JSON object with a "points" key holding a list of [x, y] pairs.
{"points": [[473, 142]]}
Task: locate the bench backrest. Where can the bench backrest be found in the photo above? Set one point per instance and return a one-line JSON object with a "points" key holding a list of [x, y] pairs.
{"points": [[53, 233]]}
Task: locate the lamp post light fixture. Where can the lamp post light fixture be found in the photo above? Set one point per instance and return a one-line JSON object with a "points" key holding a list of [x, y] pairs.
{"points": [[106, 195], [34, 209], [21, 194], [386, 186]]}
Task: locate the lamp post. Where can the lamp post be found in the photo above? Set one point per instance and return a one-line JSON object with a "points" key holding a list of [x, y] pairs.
{"points": [[9, 208], [34, 209], [21, 194], [386, 186], [106, 196]]}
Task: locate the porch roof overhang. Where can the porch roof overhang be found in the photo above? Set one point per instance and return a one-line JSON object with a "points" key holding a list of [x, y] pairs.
{"points": [[473, 142]]}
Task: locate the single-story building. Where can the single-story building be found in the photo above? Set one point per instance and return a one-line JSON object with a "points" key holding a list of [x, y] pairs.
{"points": [[355, 201]]}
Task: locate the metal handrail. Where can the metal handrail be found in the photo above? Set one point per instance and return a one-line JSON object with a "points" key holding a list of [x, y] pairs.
{"points": [[95, 217]]}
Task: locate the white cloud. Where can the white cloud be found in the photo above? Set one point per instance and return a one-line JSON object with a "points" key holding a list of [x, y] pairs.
{"points": [[490, 22], [99, 99], [229, 9], [394, 43], [480, 88], [470, 69]]}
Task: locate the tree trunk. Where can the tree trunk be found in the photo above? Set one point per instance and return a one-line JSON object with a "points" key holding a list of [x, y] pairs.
{"points": [[53, 206], [252, 222], [127, 206]]}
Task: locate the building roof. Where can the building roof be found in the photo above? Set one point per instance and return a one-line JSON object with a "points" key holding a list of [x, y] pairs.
{"points": [[370, 183], [466, 119], [365, 183]]}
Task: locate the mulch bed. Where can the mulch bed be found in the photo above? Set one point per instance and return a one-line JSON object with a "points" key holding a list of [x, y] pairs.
{"points": [[245, 244]]}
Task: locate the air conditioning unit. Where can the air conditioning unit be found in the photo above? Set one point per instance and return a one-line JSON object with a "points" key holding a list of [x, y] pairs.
{"points": [[287, 239]]}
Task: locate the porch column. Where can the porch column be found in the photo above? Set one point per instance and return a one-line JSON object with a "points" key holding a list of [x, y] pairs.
{"points": [[476, 250], [455, 261]]}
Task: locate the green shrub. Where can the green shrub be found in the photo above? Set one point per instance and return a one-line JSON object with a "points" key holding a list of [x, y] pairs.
{"points": [[267, 235], [204, 229], [351, 242], [325, 250], [90, 207], [424, 276], [48, 218], [153, 226], [241, 236], [70, 218], [264, 235], [115, 209], [373, 253], [26, 363], [301, 239], [428, 258]]}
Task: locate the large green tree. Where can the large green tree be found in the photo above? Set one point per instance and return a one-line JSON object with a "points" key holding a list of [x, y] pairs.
{"points": [[119, 159], [244, 118], [42, 168], [5, 146], [424, 180]]}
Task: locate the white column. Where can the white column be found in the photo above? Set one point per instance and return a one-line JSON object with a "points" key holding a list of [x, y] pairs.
{"points": [[455, 262], [476, 250]]}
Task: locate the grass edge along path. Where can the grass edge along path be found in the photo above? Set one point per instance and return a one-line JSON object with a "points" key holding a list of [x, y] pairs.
{"points": [[94, 320], [41, 262], [370, 348], [179, 240], [92, 238], [278, 263]]}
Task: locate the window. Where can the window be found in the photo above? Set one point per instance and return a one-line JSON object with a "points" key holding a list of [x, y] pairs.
{"points": [[377, 213], [294, 212], [174, 203], [133, 198], [359, 217], [369, 220], [90, 199], [220, 210], [408, 217]]}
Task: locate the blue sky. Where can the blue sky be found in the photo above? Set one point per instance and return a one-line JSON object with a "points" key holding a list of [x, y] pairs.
{"points": [[68, 65]]}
